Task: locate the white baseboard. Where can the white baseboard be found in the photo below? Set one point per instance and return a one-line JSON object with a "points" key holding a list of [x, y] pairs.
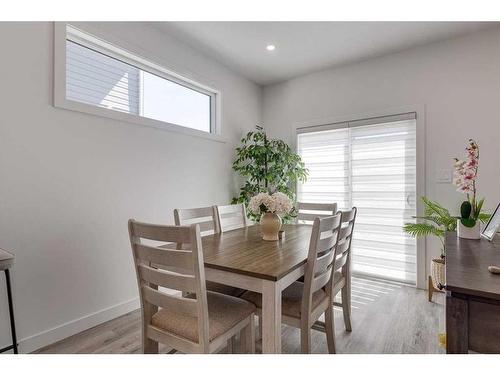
{"points": [[50, 336]]}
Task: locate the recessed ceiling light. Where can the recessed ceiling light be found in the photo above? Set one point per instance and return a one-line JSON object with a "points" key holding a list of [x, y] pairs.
{"points": [[270, 47]]}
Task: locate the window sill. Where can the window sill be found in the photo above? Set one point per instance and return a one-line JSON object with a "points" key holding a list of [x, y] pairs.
{"points": [[63, 103]]}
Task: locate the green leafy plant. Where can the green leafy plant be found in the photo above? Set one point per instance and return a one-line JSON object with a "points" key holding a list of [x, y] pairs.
{"points": [[436, 221], [268, 165]]}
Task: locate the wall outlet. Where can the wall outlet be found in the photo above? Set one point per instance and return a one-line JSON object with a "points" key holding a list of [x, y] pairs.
{"points": [[444, 176]]}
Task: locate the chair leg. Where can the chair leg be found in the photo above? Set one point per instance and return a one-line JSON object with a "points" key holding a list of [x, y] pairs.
{"points": [[230, 345], [305, 340], [247, 337], [259, 318], [330, 329], [11, 311], [430, 290], [149, 346], [346, 307]]}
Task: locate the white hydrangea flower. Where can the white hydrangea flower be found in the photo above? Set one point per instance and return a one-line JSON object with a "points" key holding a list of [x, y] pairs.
{"points": [[283, 205], [277, 203]]}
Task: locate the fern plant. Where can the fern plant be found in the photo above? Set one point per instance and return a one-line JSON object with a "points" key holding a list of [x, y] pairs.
{"points": [[436, 221]]}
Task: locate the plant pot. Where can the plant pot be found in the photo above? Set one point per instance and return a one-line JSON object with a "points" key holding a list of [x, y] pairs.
{"points": [[473, 233], [438, 273], [270, 225]]}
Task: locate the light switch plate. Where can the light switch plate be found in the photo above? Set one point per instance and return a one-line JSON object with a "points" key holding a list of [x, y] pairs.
{"points": [[444, 176]]}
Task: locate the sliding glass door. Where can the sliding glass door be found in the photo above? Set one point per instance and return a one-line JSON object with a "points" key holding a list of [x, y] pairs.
{"points": [[370, 164]]}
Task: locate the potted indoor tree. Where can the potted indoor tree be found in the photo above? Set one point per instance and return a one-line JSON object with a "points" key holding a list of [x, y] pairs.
{"points": [[268, 166]]}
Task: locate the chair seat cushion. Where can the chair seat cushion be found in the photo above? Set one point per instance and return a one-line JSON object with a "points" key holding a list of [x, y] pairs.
{"points": [[224, 289], [291, 298], [224, 312]]}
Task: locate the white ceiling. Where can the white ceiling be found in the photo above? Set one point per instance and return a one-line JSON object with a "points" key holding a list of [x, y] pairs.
{"points": [[303, 47]]}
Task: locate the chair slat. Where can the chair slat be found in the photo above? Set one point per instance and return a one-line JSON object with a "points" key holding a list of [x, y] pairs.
{"points": [[330, 207], [320, 210], [179, 305], [343, 246], [310, 217], [165, 257], [167, 279], [323, 262], [230, 208], [185, 214], [345, 232], [348, 216], [326, 243], [319, 281], [207, 226], [340, 261], [328, 223], [160, 232]]}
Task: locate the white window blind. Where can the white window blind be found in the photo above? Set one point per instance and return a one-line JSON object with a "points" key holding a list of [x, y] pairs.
{"points": [[99, 80], [97, 75], [370, 164]]}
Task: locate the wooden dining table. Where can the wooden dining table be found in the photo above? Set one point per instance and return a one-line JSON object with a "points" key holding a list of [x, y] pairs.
{"points": [[241, 258]]}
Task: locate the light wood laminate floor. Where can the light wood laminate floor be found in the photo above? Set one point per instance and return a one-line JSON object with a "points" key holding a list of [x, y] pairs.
{"points": [[387, 318]]}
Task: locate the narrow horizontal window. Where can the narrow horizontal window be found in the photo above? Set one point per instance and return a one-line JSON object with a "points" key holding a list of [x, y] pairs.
{"points": [[102, 75]]}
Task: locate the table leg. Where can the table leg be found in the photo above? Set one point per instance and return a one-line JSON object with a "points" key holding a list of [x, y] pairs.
{"points": [[271, 317], [457, 322]]}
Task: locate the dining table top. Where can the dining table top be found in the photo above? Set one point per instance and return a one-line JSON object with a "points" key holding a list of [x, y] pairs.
{"points": [[243, 251]]}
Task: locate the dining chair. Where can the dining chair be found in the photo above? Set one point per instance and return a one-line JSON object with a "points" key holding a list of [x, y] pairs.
{"points": [[303, 303], [206, 217], [230, 217], [201, 322], [307, 212]]}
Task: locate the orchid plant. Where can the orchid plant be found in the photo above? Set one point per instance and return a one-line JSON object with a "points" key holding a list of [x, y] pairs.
{"points": [[464, 178], [437, 220]]}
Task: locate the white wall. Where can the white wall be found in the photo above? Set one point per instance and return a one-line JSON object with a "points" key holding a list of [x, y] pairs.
{"points": [[70, 181], [457, 81]]}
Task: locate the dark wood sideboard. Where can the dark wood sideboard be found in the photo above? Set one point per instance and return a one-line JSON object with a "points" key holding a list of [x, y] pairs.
{"points": [[472, 295]]}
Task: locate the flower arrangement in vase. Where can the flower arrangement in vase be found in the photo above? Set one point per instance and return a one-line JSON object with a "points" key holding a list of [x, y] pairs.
{"points": [[270, 207], [465, 176]]}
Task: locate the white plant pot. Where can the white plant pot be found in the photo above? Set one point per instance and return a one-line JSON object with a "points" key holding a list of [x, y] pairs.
{"points": [[473, 233]]}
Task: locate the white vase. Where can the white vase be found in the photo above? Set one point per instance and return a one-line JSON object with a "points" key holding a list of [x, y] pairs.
{"points": [[473, 233]]}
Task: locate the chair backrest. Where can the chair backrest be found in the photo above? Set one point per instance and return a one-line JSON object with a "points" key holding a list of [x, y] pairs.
{"points": [[206, 217], [307, 212], [343, 252], [181, 270], [321, 257], [231, 217]]}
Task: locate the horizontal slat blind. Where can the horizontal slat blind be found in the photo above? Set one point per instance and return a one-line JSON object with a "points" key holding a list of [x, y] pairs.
{"points": [[326, 156], [372, 167], [96, 79]]}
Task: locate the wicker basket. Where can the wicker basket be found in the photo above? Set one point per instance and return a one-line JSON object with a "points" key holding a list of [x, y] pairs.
{"points": [[437, 273]]}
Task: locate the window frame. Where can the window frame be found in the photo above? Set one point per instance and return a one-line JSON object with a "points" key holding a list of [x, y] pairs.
{"points": [[64, 31]]}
